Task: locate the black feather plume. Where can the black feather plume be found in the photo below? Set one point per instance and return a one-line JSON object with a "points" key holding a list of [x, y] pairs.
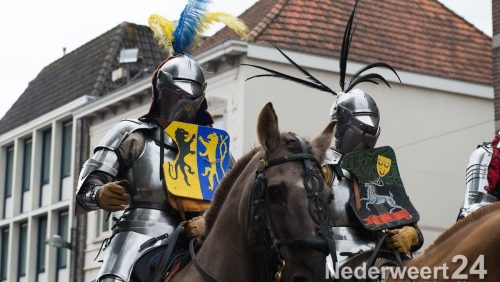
{"points": [[304, 71], [273, 73], [358, 78], [371, 77], [374, 65], [346, 42]]}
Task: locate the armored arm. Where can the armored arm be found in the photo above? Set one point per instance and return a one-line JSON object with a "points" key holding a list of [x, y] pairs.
{"points": [[476, 195], [97, 171], [118, 149]]}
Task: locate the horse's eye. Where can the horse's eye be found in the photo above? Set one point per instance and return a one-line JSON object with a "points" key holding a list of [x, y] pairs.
{"points": [[275, 191]]}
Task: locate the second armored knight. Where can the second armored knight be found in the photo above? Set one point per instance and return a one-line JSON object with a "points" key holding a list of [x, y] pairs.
{"points": [[357, 129]]}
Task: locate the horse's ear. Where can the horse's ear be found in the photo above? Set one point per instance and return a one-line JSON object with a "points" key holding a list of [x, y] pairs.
{"points": [[321, 143], [267, 129]]}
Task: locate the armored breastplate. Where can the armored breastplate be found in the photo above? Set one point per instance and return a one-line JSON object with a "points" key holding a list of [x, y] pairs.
{"points": [[340, 207], [477, 174], [342, 188], [146, 187]]}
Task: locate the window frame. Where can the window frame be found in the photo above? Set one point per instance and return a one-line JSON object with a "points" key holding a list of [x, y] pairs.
{"points": [[46, 156], [4, 253], [22, 249], [9, 177], [41, 245], [63, 231], [26, 177], [67, 132]]}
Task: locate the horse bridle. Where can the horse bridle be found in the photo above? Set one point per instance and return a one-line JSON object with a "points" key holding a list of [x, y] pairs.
{"points": [[266, 247], [265, 244]]}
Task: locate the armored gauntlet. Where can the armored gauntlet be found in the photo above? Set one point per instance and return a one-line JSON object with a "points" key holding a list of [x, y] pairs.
{"points": [[113, 196], [195, 227], [404, 238]]}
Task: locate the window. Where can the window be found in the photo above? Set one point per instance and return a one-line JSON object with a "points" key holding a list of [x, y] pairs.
{"points": [[46, 150], [62, 230], [27, 165], [107, 219], [23, 243], [67, 135], [5, 253], [9, 162], [65, 188], [41, 246], [26, 175]]}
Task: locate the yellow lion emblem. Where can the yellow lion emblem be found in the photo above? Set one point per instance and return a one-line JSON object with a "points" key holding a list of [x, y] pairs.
{"points": [[211, 154]]}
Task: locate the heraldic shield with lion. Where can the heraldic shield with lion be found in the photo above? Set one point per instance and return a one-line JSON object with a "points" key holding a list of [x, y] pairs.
{"points": [[202, 161], [380, 200]]}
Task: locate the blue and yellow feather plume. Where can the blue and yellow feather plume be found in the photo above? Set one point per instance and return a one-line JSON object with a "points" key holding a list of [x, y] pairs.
{"points": [[163, 31], [187, 29], [193, 22], [229, 20]]}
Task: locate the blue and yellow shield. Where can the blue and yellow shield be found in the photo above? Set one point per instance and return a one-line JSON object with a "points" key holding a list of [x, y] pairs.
{"points": [[202, 160]]}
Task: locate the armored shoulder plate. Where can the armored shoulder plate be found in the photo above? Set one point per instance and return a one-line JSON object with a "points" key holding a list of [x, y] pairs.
{"points": [[105, 160], [331, 167], [476, 195], [332, 157], [477, 168], [120, 131]]}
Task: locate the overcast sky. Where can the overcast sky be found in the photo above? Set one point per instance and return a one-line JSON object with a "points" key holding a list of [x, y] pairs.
{"points": [[34, 32]]}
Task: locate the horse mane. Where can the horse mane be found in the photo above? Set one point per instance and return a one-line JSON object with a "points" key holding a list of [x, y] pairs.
{"points": [[224, 188], [472, 218]]}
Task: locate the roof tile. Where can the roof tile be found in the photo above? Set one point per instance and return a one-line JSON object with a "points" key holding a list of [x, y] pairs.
{"points": [[421, 36], [85, 71]]}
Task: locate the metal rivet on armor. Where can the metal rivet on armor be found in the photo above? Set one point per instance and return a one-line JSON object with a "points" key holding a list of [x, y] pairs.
{"points": [[256, 217]]}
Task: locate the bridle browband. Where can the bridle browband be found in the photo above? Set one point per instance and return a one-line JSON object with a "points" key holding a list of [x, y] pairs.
{"points": [[265, 245]]}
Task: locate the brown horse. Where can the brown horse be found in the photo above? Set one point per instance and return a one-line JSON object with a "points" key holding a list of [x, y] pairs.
{"points": [[228, 250], [464, 251]]}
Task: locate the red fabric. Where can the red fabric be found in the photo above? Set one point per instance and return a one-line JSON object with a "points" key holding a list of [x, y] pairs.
{"points": [[494, 167], [388, 217], [177, 267]]}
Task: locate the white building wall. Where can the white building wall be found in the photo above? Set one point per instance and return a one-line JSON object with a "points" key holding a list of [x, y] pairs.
{"points": [[433, 134], [228, 86]]}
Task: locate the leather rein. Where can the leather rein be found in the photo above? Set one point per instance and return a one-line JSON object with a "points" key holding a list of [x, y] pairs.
{"points": [[264, 243]]}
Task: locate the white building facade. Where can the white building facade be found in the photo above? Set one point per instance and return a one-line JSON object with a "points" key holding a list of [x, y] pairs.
{"points": [[37, 196]]}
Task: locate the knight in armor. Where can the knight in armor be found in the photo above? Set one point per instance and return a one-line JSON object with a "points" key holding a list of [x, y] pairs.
{"points": [[125, 172], [482, 178], [357, 129]]}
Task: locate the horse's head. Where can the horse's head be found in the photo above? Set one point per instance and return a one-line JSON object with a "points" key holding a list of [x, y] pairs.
{"points": [[289, 201]]}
